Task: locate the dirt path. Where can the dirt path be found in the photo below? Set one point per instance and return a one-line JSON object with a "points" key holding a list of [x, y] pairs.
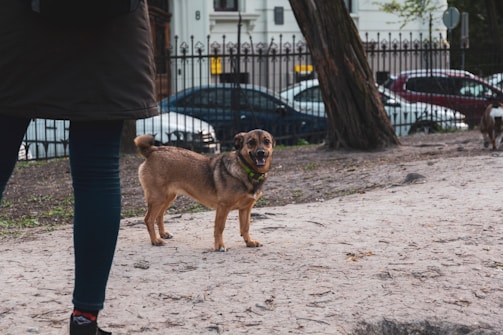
{"points": [[426, 256]]}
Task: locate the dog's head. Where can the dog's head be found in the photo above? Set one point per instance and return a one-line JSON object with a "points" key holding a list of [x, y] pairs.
{"points": [[255, 147]]}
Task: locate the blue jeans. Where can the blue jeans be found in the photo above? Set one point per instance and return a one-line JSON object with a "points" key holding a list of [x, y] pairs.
{"points": [[94, 162]]}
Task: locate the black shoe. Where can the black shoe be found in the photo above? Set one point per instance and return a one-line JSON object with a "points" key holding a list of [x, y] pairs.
{"points": [[82, 326]]}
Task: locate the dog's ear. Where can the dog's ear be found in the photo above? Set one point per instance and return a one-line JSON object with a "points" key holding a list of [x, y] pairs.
{"points": [[239, 141], [271, 138]]}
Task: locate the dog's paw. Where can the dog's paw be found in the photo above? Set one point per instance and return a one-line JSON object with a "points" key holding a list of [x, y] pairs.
{"points": [[158, 242], [167, 236], [253, 244], [220, 247]]}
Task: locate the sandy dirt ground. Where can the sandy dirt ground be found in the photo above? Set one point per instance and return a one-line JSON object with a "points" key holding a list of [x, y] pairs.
{"points": [[420, 257]]}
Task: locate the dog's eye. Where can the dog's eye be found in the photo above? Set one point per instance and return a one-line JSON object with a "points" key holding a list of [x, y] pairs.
{"points": [[252, 143], [267, 141]]}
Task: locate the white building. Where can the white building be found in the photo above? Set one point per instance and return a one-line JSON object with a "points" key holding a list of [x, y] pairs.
{"points": [[263, 20]]}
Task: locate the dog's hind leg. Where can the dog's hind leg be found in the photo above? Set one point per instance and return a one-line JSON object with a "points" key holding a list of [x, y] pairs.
{"points": [[160, 217], [498, 131], [150, 218], [220, 220], [485, 133], [244, 227], [497, 141]]}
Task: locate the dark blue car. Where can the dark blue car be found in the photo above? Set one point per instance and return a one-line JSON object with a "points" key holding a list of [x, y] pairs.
{"points": [[232, 108]]}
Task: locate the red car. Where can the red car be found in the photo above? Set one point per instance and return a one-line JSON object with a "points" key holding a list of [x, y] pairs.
{"points": [[456, 89]]}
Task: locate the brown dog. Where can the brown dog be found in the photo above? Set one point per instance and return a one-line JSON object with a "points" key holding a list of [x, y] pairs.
{"points": [[224, 182], [491, 125]]}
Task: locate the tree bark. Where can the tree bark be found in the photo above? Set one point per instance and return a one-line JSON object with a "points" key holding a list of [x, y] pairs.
{"points": [[356, 116], [128, 135]]}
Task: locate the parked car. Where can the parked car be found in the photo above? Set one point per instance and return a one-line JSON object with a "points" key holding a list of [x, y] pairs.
{"points": [[406, 117], [419, 117], [45, 139], [233, 108], [180, 130], [455, 89], [49, 138]]}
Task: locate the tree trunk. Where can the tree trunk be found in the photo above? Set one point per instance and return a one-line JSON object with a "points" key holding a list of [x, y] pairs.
{"points": [[128, 135], [356, 116]]}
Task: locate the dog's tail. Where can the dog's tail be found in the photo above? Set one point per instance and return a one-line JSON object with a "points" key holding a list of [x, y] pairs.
{"points": [[145, 144]]}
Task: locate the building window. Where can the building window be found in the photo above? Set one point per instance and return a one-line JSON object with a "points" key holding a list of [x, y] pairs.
{"points": [[225, 5], [279, 15]]}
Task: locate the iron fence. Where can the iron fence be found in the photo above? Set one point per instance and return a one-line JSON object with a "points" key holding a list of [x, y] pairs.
{"points": [[220, 87]]}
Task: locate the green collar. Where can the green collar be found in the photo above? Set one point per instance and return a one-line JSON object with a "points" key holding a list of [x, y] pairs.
{"points": [[253, 174]]}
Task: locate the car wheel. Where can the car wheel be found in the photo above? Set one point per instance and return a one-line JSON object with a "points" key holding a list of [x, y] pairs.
{"points": [[424, 126]]}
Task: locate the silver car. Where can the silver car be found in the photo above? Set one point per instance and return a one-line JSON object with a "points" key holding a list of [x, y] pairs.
{"points": [[406, 117], [49, 138]]}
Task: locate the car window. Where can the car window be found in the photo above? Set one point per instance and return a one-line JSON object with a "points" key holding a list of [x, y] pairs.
{"points": [[437, 85], [311, 94], [472, 88], [209, 98], [257, 101]]}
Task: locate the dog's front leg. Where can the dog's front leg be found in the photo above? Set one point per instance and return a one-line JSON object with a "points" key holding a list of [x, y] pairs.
{"points": [[486, 139], [244, 226], [220, 220], [492, 136], [498, 140]]}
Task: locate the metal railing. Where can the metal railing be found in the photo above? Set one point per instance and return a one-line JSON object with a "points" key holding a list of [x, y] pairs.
{"points": [[273, 66]]}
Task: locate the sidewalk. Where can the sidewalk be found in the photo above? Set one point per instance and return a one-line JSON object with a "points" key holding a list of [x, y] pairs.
{"points": [[429, 251]]}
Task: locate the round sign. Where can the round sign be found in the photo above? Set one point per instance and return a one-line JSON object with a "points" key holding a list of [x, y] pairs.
{"points": [[451, 17]]}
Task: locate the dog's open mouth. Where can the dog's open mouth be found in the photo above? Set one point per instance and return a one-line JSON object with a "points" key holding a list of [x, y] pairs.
{"points": [[259, 158], [260, 161]]}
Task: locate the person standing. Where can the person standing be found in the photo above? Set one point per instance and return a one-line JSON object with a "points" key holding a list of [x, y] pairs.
{"points": [[59, 62]]}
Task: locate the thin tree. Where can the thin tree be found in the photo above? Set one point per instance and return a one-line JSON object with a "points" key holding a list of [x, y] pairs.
{"points": [[485, 27], [356, 115], [128, 135], [493, 9]]}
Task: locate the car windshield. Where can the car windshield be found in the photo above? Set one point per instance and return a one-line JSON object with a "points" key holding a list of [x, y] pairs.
{"points": [[311, 94], [265, 91], [471, 89]]}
